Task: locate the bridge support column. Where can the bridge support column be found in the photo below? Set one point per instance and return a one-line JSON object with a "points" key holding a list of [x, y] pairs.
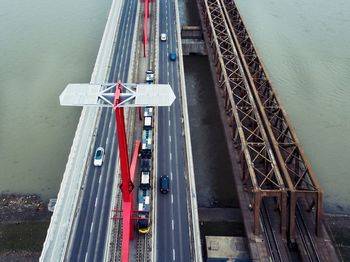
{"points": [[257, 202]]}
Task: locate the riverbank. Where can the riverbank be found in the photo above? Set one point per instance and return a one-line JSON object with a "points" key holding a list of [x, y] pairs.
{"points": [[24, 220], [339, 228]]}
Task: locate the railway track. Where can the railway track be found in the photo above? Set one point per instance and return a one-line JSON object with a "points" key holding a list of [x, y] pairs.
{"points": [[308, 249], [269, 234], [143, 248], [117, 233]]}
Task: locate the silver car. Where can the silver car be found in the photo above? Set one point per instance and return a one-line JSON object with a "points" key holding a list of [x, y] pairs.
{"points": [[99, 156]]}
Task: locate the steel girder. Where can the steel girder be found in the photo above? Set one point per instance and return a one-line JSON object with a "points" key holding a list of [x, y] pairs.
{"points": [[260, 172], [297, 173]]}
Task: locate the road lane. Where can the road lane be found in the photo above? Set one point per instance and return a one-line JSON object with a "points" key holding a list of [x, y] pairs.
{"points": [[88, 242], [172, 220]]}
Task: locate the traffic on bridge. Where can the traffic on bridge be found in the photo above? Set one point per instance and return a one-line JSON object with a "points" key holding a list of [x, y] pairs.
{"points": [[113, 209]]}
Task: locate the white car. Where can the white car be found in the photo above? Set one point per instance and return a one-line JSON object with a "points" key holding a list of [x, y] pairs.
{"points": [[163, 37], [99, 156]]}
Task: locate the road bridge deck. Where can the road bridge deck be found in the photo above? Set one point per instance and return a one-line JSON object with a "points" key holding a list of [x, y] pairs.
{"points": [[91, 234]]}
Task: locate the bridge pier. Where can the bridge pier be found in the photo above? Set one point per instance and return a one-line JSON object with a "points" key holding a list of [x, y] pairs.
{"points": [[192, 40]]}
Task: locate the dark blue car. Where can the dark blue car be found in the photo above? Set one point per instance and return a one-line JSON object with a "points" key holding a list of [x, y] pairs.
{"points": [[164, 184], [172, 56]]}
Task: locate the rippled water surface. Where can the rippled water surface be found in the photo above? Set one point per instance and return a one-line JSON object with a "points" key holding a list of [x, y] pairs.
{"points": [[44, 45], [305, 47]]}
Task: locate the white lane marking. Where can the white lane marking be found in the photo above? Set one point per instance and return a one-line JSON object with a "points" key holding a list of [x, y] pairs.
{"points": [[92, 224], [173, 254], [99, 181], [96, 201], [169, 139], [169, 120], [170, 156], [169, 112], [168, 74], [172, 198], [171, 175], [86, 255], [172, 224]]}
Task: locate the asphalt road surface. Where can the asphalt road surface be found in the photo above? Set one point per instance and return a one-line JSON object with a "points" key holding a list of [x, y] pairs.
{"points": [[89, 240], [173, 242]]}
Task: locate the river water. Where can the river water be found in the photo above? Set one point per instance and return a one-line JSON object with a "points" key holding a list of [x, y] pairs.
{"points": [[305, 47], [44, 44]]}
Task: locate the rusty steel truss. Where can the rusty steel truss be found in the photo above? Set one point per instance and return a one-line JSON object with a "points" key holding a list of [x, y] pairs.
{"points": [[295, 168], [261, 175]]}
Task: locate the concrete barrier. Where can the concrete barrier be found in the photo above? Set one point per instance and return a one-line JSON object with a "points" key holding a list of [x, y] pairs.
{"points": [[193, 212]]}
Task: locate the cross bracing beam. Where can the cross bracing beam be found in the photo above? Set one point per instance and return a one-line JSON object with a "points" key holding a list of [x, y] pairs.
{"points": [[297, 173], [102, 95], [260, 172]]}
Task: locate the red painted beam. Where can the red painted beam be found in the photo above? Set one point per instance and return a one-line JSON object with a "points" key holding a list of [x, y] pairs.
{"points": [[134, 160], [127, 230], [128, 175], [127, 185]]}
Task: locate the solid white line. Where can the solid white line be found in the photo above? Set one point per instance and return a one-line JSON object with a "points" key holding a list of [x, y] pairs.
{"points": [[172, 224], [172, 198], [173, 254], [92, 224], [96, 201]]}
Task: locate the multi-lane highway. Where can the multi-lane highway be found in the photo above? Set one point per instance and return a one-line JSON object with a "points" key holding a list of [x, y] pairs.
{"points": [[172, 222], [89, 239]]}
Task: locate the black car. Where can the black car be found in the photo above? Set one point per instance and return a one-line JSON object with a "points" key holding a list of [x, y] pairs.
{"points": [[149, 76], [164, 184]]}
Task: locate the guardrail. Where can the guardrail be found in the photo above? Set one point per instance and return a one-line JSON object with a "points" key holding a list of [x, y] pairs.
{"points": [[193, 212]]}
